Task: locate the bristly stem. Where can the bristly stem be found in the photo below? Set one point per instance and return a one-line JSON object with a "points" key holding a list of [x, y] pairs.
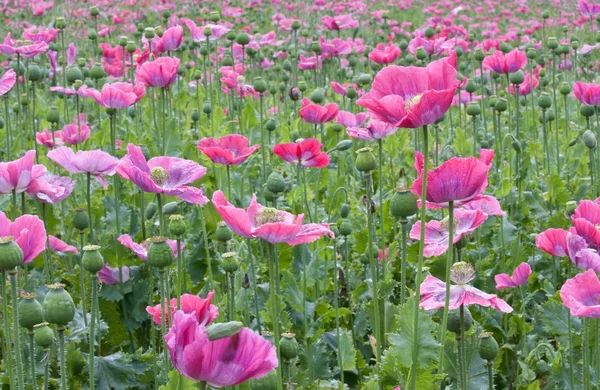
{"points": [[449, 260]]}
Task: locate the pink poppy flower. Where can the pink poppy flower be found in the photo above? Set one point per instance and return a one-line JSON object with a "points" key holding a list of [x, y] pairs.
{"points": [[141, 250], [95, 162], [28, 232], [47, 139], [159, 73], [487, 204], [40, 34], [518, 278], [224, 362], [433, 47], [384, 55], [459, 179], [54, 189], [526, 87], [581, 295], [437, 234], [75, 133], [7, 81], [505, 63], [58, 245], [306, 153], [374, 130], [561, 243], [588, 9], [163, 175], [342, 89], [587, 94], [411, 97], [217, 30], [201, 308], [553, 241], [269, 224], [308, 63], [228, 150], [21, 175], [340, 22], [109, 275], [433, 291], [24, 49], [116, 95], [585, 220], [316, 114], [69, 91], [348, 119], [171, 40]]}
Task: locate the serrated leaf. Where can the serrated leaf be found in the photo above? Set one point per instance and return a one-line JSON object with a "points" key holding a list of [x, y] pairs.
{"points": [[345, 350], [401, 343], [114, 372]]}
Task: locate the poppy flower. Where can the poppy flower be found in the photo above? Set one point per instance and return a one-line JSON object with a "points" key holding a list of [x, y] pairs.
{"points": [[228, 361], [141, 250], [24, 49], [201, 308], [28, 232], [228, 150], [95, 162], [518, 278], [171, 39], [433, 291], [7, 81], [384, 55], [109, 275], [58, 245], [269, 224], [581, 295], [163, 175], [316, 114], [306, 153], [115, 95], [505, 63], [411, 97], [587, 94], [159, 73], [21, 175], [374, 130]]}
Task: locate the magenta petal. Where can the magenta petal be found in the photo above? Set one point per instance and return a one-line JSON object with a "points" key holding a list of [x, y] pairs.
{"points": [[581, 295], [237, 219], [553, 241]]}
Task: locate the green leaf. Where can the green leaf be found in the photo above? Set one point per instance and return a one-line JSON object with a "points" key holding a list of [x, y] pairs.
{"points": [[179, 382], [475, 365], [401, 343], [114, 372], [346, 351], [554, 317], [248, 117]]}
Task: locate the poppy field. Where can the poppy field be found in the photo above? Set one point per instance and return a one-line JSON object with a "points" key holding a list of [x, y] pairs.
{"points": [[276, 194]]}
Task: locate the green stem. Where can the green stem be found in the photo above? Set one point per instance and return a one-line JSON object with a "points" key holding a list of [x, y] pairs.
{"points": [[179, 273], [7, 332], [17, 333], [585, 354], [153, 329], [337, 310], [490, 370], [274, 309], [207, 253], [82, 281], [89, 207], [415, 341], [404, 224], [63, 364], [449, 260], [262, 143], [231, 308], [32, 360], [163, 309], [92, 380], [254, 285], [462, 347]]}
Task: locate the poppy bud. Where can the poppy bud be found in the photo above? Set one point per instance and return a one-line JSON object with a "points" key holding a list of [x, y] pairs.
{"points": [[550, 116], [345, 227], [295, 25], [223, 329], [545, 14], [276, 182], [271, 125], [177, 225], [504, 47], [488, 346], [58, 305], [74, 73], [170, 208], [97, 72], [403, 203], [151, 209], [517, 78], [294, 93], [43, 336], [479, 55], [35, 73], [160, 254], [215, 16], [31, 312], [471, 86], [92, 259], [302, 86], [532, 54], [81, 219], [94, 11], [365, 79], [166, 14], [246, 282], [365, 160], [344, 210], [343, 145], [351, 93], [317, 96], [223, 232], [589, 139], [207, 108], [552, 43], [230, 262], [429, 32]]}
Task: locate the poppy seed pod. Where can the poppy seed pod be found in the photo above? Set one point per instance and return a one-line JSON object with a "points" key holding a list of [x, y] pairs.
{"points": [[94, 11], [587, 111], [11, 254], [43, 336], [288, 346], [276, 182], [35, 73], [544, 101], [488, 346], [351, 93], [58, 305], [52, 115], [207, 108], [454, 320], [130, 47], [421, 53], [429, 32], [97, 72], [479, 55], [473, 109], [564, 88], [403, 203], [552, 43], [92, 259], [166, 14], [74, 73], [271, 125], [365, 160], [149, 33], [532, 53], [215, 16], [242, 39], [345, 227], [60, 23], [589, 139], [81, 219], [177, 225], [345, 210], [317, 96], [223, 232], [230, 262], [517, 78], [471, 86], [260, 85], [160, 254], [31, 312]]}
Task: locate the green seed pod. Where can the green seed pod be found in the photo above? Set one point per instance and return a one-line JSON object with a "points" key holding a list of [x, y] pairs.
{"points": [[365, 160], [81, 219], [35, 73], [94, 11], [242, 39], [550, 115], [545, 14], [92, 259], [570, 207], [351, 93], [504, 47], [545, 101], [195, 115], [177, 225], [160, 254], [207, 108], [151, 209], [587, 111], [43, 336], [345, 210], [345, 228], [92, 35], [564, 88], [276, 182], [167, 14], [227, 61], [288, 346], [74, 73], [403, 204], [215, 16], [473, 109], [501, 105], [230, 262], [488, 346], [222, 330], [260, 85], [317, 96], [11, 255], [479, 55], [97, 72], [170, 208], [271, 125], [52, 115], [532, 53], [223, 233], [471, 86], [517, 78], [343, 145], [130, 47], [149, 33], [365, 79], [454, 320], [421, 53], [60, 23], [58, 305], [589, 139], [552, 43], [302, 86], [31, 312]]}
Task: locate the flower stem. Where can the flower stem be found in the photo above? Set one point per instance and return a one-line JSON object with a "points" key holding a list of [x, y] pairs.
{"points": [[82, 281], [415, 341], [404, 225], [32, 360], [63, 364], [89, 207], [490, 370], [153, 329], [92, 332], [7, 333], [163, 309], [179, 273], [585, 354], [274, 309], [207, 253], [231, 308], [254, 286], [337, 310], [17, 333], [449, 260], [462, 347]]}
